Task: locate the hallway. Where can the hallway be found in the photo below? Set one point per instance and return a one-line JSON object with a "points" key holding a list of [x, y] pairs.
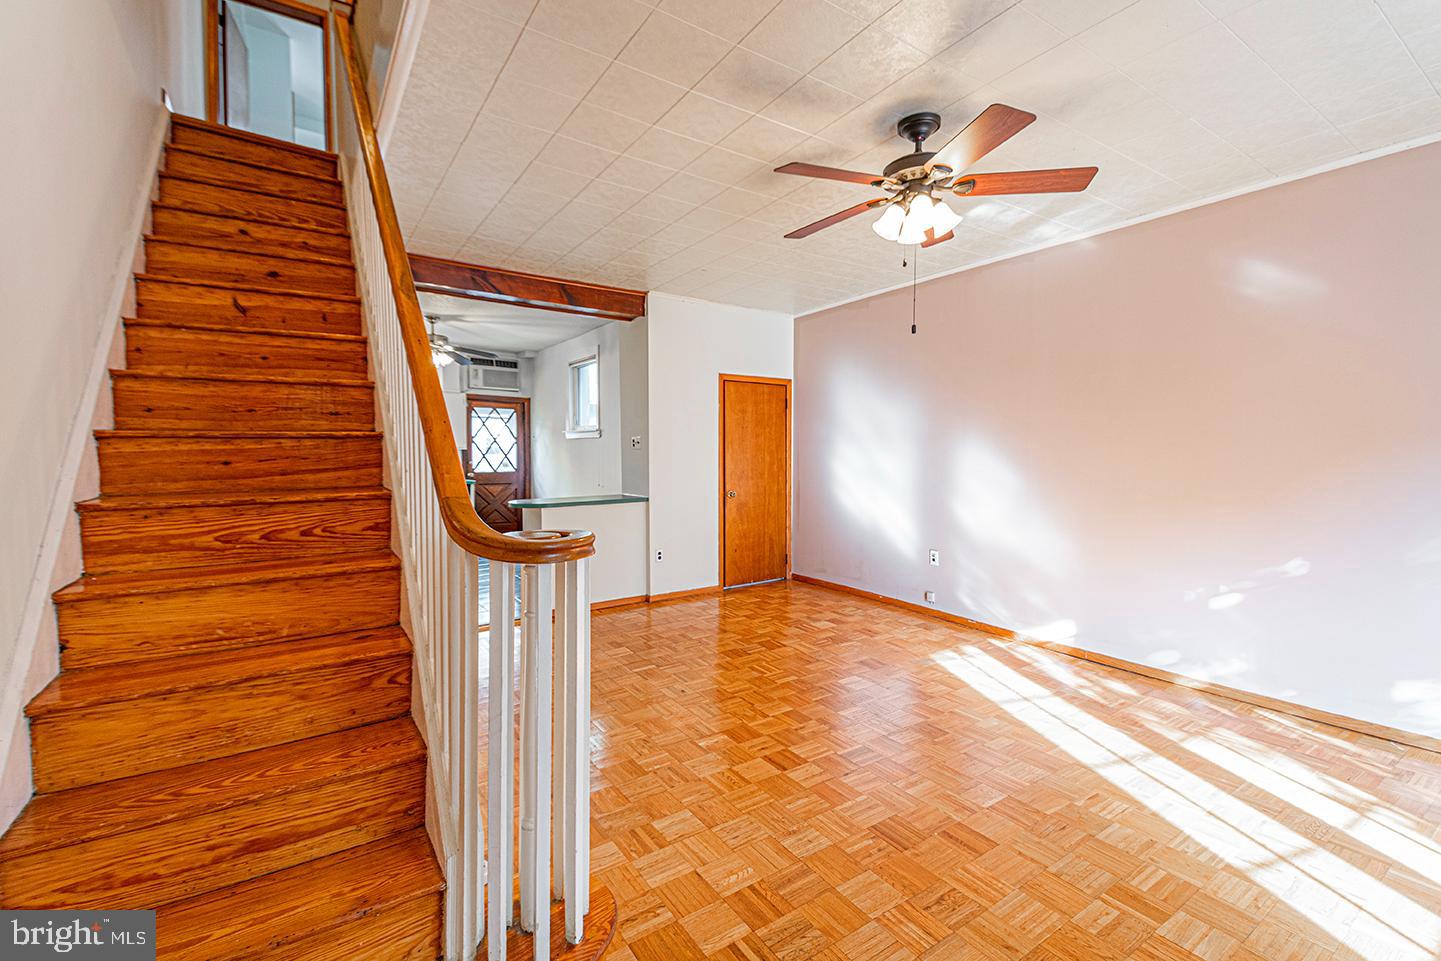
{"points": [[786, 772]]}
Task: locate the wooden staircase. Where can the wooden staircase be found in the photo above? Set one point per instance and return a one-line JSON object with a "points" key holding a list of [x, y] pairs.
{"points": [[229, 740]]}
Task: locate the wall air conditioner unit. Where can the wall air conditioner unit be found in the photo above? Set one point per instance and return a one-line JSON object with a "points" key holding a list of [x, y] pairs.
{"points": [[492, 373]]}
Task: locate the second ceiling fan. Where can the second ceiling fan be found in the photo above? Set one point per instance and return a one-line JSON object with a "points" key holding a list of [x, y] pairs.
{"points": [[916, 184]]}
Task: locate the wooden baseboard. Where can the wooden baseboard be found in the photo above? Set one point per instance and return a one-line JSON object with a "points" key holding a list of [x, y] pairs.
{"points": [[682, 595], [1316, 715], [617, 602], [910, 606]]}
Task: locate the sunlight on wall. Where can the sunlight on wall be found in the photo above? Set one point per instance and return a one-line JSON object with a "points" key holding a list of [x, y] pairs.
{"points": [[1264, 280], [873, 460], [994, 505], [1374, 921]]}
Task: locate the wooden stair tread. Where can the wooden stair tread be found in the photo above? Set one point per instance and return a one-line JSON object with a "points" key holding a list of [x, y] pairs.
{"points": [[96, 587], [258, 916], [136, 433], [187, 373], [201, 326], [76, 690], [130, 502], [198, 152], [275, 254], [218, 184], [248, 288], [117, 807], [215, 128], [253, 219]]}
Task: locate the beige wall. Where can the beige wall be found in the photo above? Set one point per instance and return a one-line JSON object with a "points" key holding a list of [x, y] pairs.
{"points": [[1210, 443], [83, 123]]}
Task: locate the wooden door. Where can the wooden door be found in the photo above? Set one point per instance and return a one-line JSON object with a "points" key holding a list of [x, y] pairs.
{"points": [[498, 459], [755, 450]]}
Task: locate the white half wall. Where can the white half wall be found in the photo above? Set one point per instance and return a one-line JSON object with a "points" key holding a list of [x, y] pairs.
{"points": [[85, 121], [1210, 443], [691, 343]]}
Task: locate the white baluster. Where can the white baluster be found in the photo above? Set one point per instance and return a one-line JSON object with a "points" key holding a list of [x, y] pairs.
{"points": [[543, 600], [529, 783], [467, 732], [573, 622], [500, 781]]}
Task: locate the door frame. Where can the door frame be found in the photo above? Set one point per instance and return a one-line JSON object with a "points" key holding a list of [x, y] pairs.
{"points": [[285, 8], [522, 405], [721, 466]]}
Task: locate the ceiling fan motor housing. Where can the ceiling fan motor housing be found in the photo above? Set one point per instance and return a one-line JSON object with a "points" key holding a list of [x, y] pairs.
{"points": [[916, 128]]}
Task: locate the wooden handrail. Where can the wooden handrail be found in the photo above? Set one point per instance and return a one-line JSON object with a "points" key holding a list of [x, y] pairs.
{"points": [[458, 512]]}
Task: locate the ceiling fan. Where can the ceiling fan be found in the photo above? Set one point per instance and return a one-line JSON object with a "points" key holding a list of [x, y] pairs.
{"points": [[443, 353], [915, 211]]}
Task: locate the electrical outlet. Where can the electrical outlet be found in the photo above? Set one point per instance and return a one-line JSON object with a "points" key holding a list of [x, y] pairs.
{"points": [[930, 597], [635, 443], [935, 558], [659, 556]]}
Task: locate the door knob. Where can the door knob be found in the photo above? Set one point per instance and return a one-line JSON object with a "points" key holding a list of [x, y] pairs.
{"points": [[730, 493]]}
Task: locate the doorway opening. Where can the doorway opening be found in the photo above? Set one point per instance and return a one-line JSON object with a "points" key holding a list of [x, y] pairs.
{"points": [[268, 69]]}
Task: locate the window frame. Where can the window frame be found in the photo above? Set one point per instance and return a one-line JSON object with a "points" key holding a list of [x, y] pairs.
{"points": [[574, 429]]}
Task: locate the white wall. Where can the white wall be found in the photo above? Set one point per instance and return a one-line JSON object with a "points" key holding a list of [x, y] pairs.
{"points": [[84, 121], [634, 406], [691, 343], [570, 466], [1210, 443], [618, 569]]}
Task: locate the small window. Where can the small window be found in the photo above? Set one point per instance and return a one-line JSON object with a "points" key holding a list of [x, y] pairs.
{"points": [[584, 417]]}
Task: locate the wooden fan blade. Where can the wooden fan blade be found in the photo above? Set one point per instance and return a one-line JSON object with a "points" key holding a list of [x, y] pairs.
{"points": [[834, 218], [828, 173], [996, 124], [1063, 180], [931, 238]]}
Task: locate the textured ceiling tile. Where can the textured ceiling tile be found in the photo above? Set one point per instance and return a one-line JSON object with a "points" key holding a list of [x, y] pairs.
{"points": [[601, 26], [731, 20], [1002, 45], [1071, 17], [632, 93], [553, 64], [931, 26], [1145, 27], [802, 33], [526, 103], [747, 80], [723, 166], [702, 118], [809, 105], [868, 62], [604, 128], [577, 157], [665, 148], [669, 48], [762, 139]]}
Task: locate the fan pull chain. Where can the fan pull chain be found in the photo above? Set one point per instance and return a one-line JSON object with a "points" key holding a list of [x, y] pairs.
{"points": [[915, 281]]}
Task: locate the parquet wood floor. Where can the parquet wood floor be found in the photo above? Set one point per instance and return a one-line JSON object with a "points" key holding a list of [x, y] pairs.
{"points": [[787, 773]]}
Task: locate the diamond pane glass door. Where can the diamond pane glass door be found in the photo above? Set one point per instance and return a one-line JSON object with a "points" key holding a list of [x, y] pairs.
{"points": [[498, 458]]}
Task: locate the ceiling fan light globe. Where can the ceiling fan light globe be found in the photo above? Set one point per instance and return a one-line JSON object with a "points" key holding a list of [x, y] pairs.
{"points": [[888, 224], [943, 218], [917, 222], [441, 359]]}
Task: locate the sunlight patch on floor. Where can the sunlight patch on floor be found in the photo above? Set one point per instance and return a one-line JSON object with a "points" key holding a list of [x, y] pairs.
{"points": [[1376, 922]]}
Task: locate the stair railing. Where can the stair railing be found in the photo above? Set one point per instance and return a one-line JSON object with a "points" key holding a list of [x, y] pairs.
{"points": [[440, 540]]}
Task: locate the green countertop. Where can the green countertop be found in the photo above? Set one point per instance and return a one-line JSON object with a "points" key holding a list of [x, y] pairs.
{"points": [[585, 500]]}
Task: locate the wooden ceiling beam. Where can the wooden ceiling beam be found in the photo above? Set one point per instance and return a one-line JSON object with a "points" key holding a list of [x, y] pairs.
{"points": [[456, 279]]}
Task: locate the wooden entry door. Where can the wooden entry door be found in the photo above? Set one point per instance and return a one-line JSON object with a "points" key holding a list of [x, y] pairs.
{"points": [[755, 494], [498, 458]]}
